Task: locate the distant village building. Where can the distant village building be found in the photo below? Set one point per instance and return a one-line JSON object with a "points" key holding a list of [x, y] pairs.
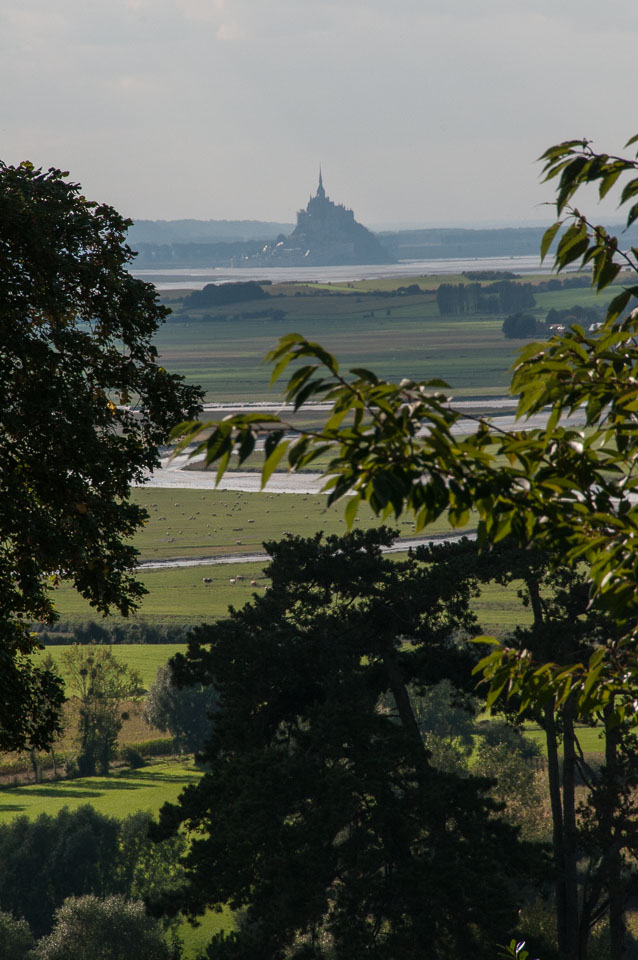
{"points": [[326, 235]]}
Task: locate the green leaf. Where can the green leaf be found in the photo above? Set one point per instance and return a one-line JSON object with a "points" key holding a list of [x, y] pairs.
{"points": [[351, 509], [608, 182], [485, 638], [272, 460], [617, 305], [548, 238], [629, 190], [246, 446]]}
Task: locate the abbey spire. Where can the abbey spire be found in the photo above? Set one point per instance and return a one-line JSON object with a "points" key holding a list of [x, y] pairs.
{"points": [[320, 191]]}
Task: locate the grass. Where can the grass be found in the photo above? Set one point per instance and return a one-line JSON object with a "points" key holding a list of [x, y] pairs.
{"points": [[176, 596], [211, 523], [118, 795], [214, 523], [145, 658], [589, 738], [401, 336]]}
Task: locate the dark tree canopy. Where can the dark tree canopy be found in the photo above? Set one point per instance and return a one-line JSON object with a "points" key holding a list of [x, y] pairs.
{"points": [[521, 326], [320, 813], [84, 406]]}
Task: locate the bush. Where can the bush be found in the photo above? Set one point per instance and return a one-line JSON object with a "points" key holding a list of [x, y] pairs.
{"points": [[132, 757], [16, 939], [87, 928]]}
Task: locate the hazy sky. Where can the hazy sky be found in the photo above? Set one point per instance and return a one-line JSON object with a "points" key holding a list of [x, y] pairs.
{"points": [[428, 111]]}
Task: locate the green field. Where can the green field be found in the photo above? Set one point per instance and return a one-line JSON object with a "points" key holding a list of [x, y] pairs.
{"points": [[143, 657], [400, 336], [217, 523], [116, 795], [176, 595]]}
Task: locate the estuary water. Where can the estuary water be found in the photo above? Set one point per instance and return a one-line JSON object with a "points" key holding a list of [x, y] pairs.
{"points": [[196, 278]]}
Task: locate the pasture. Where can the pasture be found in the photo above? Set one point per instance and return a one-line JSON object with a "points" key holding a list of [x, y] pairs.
{"points": [[143, 657], [218, 523], [118, 795], [396, 336], [176, 596]]}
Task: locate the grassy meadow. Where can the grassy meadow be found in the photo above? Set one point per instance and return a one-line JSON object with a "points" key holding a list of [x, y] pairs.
{"points": [[121, 793], [218, 523], [400, 336]]}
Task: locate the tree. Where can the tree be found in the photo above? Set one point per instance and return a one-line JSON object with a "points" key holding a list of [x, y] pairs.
{"points": [[87, 928], [81, 852], [320, 813], [100, 682], [568, 490], [520, 326], [48, 859], [85, 406], [184, 711], [16, 939], [143, 869]]}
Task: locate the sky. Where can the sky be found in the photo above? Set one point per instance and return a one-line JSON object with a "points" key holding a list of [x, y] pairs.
{"points": [[426, 112]]}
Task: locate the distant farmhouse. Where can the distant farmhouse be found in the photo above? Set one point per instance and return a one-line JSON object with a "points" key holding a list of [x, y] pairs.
{"points": [[326, 235]]}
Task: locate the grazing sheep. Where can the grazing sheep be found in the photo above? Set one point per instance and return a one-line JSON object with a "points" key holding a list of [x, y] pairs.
{"points": [[232, 580]]}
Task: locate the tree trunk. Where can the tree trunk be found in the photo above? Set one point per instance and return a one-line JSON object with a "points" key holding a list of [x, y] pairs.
{"points": [[617, 929], [576, 939], [37, 775], [553, 776]]}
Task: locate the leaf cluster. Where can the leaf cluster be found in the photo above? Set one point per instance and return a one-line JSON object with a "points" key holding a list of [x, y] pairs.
{"points": [[85, 406]]}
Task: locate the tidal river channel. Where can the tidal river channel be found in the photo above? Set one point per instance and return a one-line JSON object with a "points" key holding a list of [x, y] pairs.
{"points": [[195, 279]]}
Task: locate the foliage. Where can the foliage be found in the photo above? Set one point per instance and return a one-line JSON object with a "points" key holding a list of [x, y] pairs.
{"points": [[132, 757], [100, 682], [447, 722], [215, 294], [80, 852], [320, 812], [16, 939], [470, 298], [184, 711], [522, 326], [144, 869], [88, 928], [568, 488], [50, 858], [85, 406]]}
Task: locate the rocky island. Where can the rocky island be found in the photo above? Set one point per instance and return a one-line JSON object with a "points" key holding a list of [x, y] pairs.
{"points": [[326, 234]]}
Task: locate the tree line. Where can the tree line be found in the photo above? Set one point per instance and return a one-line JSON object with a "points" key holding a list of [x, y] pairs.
{"points": [[502, 296]]}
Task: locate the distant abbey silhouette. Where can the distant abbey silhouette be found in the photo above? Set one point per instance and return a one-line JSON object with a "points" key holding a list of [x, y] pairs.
{"points": [[326, 234]]}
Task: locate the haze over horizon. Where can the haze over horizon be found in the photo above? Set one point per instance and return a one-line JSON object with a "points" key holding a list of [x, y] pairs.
{"points": [[428, 113]]}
